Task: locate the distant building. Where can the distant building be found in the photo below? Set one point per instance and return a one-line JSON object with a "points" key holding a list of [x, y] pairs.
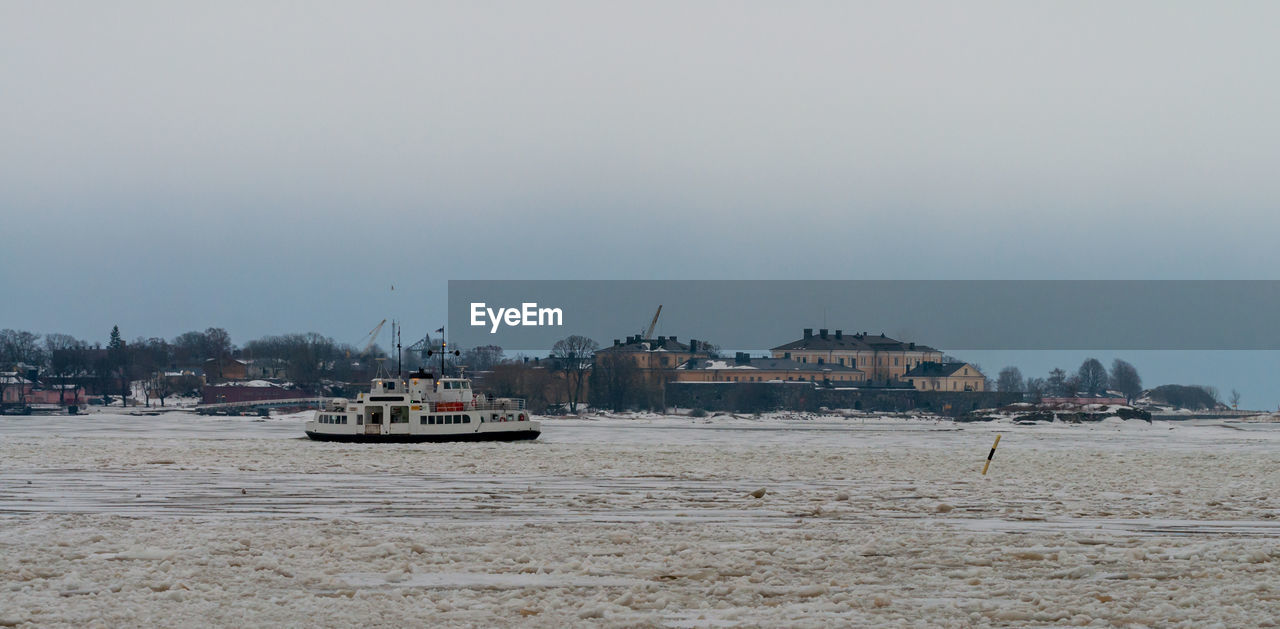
{"points": [[664, 352], [19, 390], [256, 391], [743, 368], [266, 368], [883, 360], [15, 388], [226, 369], [938, 376]]}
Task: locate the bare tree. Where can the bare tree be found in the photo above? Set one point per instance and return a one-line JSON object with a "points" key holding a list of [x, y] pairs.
{"points": [[1056, 385], [571, 357], [1036, 389], [615, 381], [1235, 399], [189, 349], [482, 358], [513, 379], [160, 386], [18, 347], [1125, 379], [64, 356], [218, 343], [1010, 380], [1212, 391], [1093, 376]]}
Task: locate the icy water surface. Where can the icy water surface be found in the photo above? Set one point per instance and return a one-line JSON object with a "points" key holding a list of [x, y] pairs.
{"points": [[161, 486], [669, 521]]}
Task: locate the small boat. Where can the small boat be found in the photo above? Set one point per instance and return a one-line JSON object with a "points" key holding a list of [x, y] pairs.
{"points": [[422, 408]]}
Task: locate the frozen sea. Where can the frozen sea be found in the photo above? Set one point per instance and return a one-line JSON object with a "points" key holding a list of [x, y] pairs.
{"points": [[641, 520]]}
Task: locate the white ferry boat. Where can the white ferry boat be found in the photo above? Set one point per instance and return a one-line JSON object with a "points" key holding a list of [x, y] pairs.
{"points": [[422, 408]]}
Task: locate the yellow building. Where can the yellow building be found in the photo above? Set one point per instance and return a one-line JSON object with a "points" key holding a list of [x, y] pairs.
{"points": [[742, 368], [658, 354], [933, 376], [881, 359]]}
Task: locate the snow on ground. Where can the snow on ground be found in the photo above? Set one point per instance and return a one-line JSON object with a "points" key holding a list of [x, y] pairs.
{"points": [[646, 520]]}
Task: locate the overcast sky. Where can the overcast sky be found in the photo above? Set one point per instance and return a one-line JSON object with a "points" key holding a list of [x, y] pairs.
{"points": [[277, 166]]}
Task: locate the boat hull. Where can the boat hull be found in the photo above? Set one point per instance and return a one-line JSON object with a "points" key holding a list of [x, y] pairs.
{"points": [[500, 435]]}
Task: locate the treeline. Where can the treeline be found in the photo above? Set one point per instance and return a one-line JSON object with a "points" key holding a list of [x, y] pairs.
{"points": [[167, 367], [1092, 378]]}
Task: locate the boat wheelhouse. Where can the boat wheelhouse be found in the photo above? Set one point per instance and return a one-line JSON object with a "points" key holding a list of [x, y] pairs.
{"points": [[422, 409]]}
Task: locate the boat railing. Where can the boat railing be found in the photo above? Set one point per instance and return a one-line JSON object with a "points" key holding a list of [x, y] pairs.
{"points": [[479, 404], [498, 404]]}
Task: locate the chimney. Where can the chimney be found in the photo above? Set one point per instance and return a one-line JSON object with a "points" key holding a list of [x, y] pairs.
{"points": [[693, 346], [839, 334], [808, 332], [741, 358], [661, 340], [673, 339], [822, 333], [616, 342], [911, 345]]}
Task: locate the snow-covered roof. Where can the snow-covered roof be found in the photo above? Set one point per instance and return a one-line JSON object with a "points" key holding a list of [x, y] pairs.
{"points": [[767, 364]]}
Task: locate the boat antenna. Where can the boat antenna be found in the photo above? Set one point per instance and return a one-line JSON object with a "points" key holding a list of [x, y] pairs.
{"points": [[399, 354]]}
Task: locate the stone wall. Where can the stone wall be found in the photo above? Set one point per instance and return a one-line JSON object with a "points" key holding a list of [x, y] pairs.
{"points": [[802, 396]]}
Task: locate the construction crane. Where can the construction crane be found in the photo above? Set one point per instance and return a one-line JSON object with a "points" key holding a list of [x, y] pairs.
{"points": [[654, 323], [372, 336]]}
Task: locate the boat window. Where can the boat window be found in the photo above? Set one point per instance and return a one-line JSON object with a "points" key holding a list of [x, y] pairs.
{"points": [[399, 414], [466, 419]]}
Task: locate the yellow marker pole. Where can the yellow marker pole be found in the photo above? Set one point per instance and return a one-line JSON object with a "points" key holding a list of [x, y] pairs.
{"points": [[990, 454]]}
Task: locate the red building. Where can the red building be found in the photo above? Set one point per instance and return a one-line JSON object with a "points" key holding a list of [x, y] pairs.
{"points": [[241, 393]]}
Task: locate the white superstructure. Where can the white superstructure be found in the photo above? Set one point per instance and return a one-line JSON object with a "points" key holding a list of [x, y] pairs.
{"points": [[423, 408]]}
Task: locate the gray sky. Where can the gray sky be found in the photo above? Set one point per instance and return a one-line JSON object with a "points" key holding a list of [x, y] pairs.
{"points": [[276, 166]]}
